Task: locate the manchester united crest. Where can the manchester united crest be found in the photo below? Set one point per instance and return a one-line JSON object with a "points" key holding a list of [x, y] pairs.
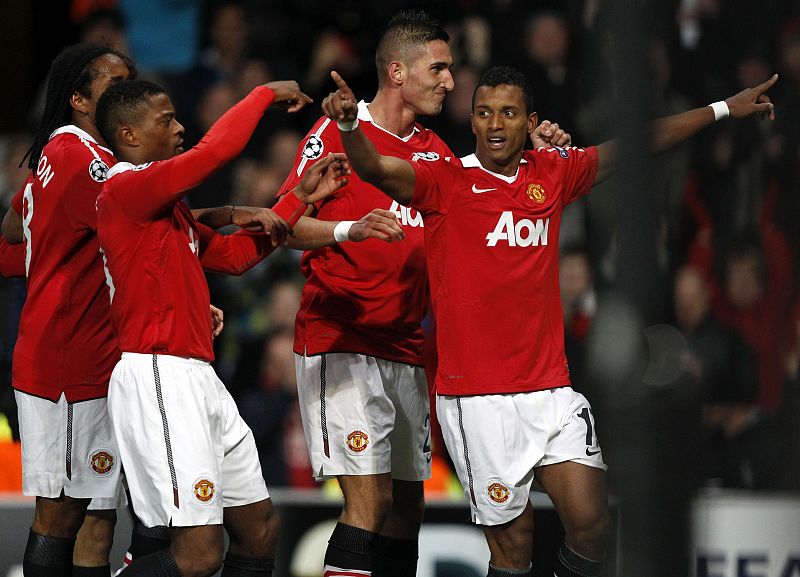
{"points": [[102, 462], [204, 490], [536, 193], [357, 441], [498, 492]]}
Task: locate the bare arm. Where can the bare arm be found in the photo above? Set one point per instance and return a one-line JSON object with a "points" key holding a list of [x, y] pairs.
{"points": [[12, 226], [311, 233], [393, 176], [671, 130]]}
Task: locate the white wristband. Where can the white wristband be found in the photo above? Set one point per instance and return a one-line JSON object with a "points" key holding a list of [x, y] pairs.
{"points": [[341, 232], [347, 126], [720, 110]]}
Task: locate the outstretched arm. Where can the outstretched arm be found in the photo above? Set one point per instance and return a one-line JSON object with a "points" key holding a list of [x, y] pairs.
{"points": [[671, 130], [311, 233], [393, 176]]}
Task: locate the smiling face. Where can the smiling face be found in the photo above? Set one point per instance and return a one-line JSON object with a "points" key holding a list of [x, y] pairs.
{"points": [[156, 133], [501, 124], [427, 79]]}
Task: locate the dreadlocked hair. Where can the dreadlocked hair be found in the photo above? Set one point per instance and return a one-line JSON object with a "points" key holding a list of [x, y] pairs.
{"points": [[70, 72]]}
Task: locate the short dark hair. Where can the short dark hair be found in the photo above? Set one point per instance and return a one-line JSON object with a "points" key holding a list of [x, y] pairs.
{"points": [[408, 30], [506, 75], [70, 72], [122, 103]]}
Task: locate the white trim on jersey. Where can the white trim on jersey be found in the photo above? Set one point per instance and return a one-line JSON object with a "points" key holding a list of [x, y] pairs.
{"points": [[302, 165], [365, 116], [80, 133], [471, 161]]}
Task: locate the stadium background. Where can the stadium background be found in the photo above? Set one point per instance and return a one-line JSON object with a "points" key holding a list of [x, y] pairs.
{"points": [[679, 415]]}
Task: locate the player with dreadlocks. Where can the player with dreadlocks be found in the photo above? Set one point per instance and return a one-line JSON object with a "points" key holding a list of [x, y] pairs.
{"points": [[66, 350]]}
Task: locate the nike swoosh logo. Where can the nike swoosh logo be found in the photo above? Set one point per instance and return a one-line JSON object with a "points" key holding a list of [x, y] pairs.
{"points": [[477, 190], [590, 453]]}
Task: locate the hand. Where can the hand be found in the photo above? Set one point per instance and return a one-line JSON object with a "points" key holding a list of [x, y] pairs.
{"points": [[217, 318], [753, 101], [549, 134], [340, 105], [328, 175], [379, 223], [262, 219], [288, 96]]}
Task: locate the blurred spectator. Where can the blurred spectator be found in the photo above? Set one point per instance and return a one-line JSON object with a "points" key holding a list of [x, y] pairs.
{"points": [[722, 369], [257, 182], [271, 409], [105, 27], [579, 302]]}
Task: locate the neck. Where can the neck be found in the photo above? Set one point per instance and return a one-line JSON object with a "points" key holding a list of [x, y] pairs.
{"points": [[508, 168], [390, 112], [85, 124]]}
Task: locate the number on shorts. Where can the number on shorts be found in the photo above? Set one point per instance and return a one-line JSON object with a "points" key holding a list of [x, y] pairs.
{"points": [[426, 446], [587, 416]]}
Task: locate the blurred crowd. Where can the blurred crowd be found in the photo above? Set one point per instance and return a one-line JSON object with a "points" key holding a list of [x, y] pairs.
{"points": [[726, 203]]}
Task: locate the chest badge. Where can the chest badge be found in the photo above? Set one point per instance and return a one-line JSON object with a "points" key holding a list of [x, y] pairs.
{"points": [[536, 193]]}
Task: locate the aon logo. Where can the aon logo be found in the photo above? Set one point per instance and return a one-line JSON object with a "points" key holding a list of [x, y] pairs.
{"points": [[520, 233], [405, 215]]}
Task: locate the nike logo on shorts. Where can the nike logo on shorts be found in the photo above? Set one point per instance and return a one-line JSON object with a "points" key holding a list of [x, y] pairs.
{"points": [[590, 453], [477, 190]]}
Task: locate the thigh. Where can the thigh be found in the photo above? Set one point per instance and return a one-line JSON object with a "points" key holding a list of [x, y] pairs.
{"points": [[347, 417], [43, 435], [578, 492], [410, 438]]}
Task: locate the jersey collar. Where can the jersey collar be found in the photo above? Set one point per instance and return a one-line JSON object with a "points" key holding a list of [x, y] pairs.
{"points": [[80, 133], [471, 161], [364, 115]]}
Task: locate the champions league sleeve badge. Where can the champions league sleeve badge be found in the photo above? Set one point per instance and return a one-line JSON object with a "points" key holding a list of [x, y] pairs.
{"points": [[98, 170], [313, 147]]}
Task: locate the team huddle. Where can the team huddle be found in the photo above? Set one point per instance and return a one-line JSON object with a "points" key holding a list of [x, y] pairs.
{"points": [[112, 368]]}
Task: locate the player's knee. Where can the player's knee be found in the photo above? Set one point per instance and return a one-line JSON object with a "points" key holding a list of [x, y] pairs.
{"points": [[200, 564], [61, 518], [592, 537]]}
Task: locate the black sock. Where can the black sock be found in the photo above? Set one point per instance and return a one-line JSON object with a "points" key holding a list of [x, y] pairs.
{"points": [[570, 564], [395, 557], [350, 548], [241, 566], [80, 571], [47, 556], [146, 540], [498, 572], [158, 564]]}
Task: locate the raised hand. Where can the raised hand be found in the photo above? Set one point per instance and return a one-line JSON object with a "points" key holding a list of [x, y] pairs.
{"points": [[262, 219], [288, 95], [328, 175], [549, 134], [379, 223], [340, 105], [753, 101], [217, 321]]}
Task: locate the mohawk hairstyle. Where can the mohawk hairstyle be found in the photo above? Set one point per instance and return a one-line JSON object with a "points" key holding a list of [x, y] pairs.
{"points": [[70, 72], [506, 75], [122, 103], [405, 32]]}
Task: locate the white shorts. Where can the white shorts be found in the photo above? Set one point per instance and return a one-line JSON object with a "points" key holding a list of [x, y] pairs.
{"points": [[364, 416], [186, 451], [496, 442], [68, 447]]}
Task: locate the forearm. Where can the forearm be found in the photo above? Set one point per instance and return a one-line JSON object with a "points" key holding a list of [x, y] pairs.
{"points": [[671, 130], [12, 226], [391, 175], [311, 233], [216, 217], [236, 253]]}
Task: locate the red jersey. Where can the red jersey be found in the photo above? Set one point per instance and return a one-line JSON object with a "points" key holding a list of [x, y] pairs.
{"points": [[368, 297], [12, 258], [155, 251], [492, 252], [65, 341]]}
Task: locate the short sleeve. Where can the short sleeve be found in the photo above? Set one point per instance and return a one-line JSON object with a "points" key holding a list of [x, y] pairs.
{"points": [[319, 141], [428, 194], [579, 166], [84, 183]]}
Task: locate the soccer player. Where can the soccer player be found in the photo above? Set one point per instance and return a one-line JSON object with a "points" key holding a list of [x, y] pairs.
{"points": [[504, 399], [65, 350], [193, 465]]}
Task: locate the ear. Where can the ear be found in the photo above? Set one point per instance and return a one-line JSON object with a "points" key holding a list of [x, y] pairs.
{"points": [[127, 136], [396, 72], [533, 122], [79, 103]]}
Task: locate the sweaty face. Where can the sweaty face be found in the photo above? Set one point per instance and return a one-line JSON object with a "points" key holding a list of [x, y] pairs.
{"points": [[428, 79], [107, 69], [501, 126], [158, 133]]}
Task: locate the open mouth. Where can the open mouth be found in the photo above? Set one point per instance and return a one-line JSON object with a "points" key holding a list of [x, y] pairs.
{"points": [[496, 142]]}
